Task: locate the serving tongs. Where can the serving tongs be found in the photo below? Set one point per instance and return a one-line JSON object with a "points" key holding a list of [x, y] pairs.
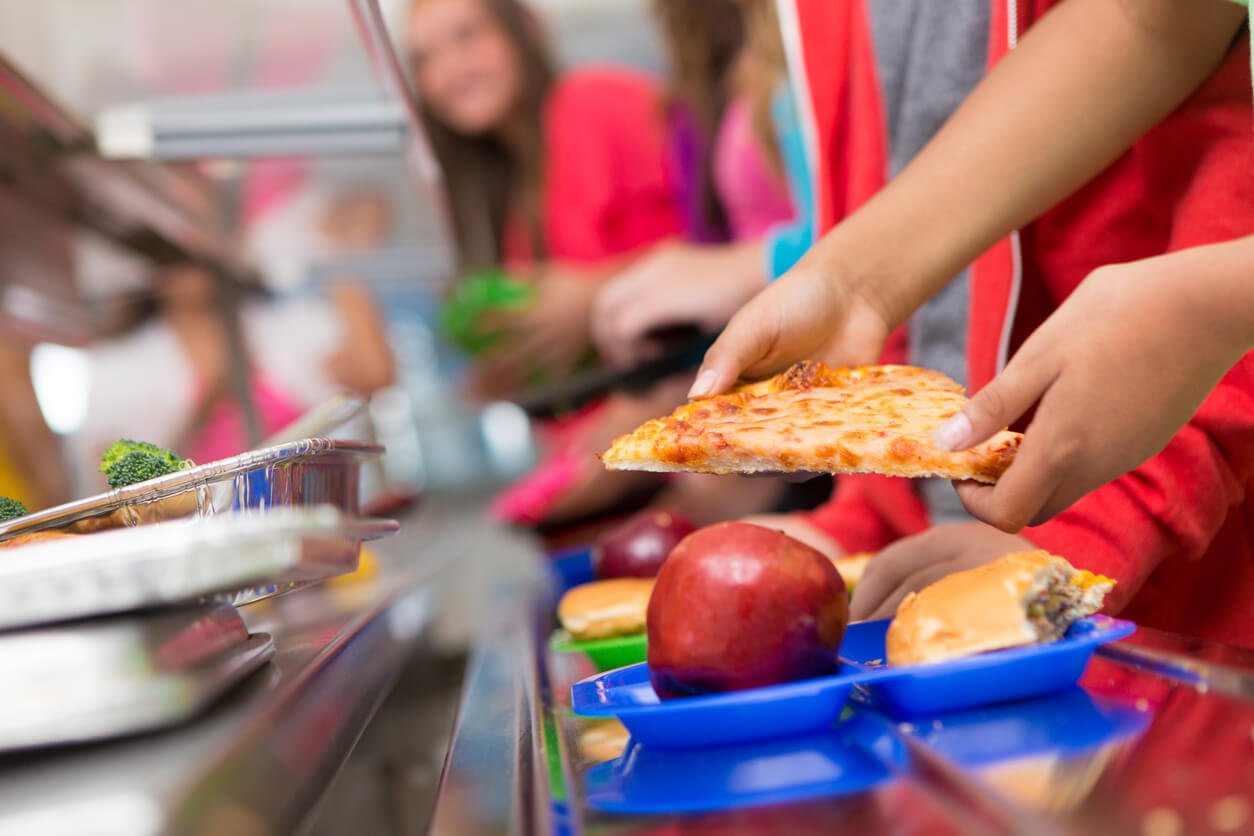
{"points": [[681, 350]]}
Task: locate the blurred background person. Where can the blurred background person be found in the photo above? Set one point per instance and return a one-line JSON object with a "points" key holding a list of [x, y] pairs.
{"points": [[753, 179], [32, 467], [167, 381], [745, 184], [559, 179]]}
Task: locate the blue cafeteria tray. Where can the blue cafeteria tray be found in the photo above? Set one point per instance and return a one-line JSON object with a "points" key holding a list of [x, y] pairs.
{"points": [[775, 711], [999, 676], [571, 567], [649, 780], [1069, 722]]}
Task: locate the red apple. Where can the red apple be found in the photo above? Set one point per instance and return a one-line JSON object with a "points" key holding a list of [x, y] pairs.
{"points": [[740, 606], [637, 548]]}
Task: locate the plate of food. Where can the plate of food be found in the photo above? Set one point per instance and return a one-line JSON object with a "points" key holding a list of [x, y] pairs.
{"points": [[744, 626], [1021, 626]]}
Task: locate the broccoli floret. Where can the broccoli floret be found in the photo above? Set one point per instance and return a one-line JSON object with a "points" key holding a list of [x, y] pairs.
{"points": [[127, 462], [138, 466], [11, 509], [122, 447]]}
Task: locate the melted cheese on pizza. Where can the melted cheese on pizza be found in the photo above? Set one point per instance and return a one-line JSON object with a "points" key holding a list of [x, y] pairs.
{"points": [[871, 419]]}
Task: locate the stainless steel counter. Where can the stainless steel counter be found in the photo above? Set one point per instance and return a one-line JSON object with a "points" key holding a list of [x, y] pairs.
{"points": [[1185, 765], [260, 760]]}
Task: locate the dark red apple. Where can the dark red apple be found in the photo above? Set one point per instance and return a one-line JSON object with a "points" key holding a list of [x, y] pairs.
{"points": [[740, 606], [637, 548]]}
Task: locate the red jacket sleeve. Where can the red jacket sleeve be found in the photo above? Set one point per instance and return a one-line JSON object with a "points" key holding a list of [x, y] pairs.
{"points": [[608, 187], [1170, 507], [868, 512], [1174, 505]]}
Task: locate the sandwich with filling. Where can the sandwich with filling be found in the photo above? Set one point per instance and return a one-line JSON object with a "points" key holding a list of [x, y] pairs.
{"points": [[1020, 599]]}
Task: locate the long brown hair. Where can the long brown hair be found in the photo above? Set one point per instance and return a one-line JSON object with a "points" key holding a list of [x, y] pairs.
{"points": [[703, 39], [764, 68], [484, 177], [715, 48]]}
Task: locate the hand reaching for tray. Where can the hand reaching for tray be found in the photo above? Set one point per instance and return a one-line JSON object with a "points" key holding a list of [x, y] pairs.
{"points": [[914, 562], [675, 284]]}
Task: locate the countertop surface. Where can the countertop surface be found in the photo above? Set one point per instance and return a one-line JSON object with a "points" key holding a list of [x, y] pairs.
{"points": [[259, 759]]}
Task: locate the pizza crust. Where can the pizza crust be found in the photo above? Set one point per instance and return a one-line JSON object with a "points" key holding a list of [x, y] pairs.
{"points": [[870, 419]]}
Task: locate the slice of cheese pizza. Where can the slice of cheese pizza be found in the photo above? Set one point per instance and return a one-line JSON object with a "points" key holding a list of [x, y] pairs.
{"points": [[871, 419]]}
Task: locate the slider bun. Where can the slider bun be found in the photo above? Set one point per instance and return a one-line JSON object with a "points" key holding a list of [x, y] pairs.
{"points": [[979, 609], [603, 740], [604, 609], [851, 567]]}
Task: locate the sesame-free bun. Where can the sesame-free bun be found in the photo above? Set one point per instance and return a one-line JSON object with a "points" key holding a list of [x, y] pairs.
{"points": [[851, 567], [986, 608], [604, 609]]}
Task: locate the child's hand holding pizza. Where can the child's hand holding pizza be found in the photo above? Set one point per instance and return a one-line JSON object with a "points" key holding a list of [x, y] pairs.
{"points": [[811, 312], [1116, 371]]}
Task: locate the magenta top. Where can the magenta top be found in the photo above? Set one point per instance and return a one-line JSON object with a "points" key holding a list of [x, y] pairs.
{"points": [[753, 193]]}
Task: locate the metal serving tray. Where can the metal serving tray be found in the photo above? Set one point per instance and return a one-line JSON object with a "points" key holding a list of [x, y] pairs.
{"points": [[107, 677], [312, 471], [234, 557]]}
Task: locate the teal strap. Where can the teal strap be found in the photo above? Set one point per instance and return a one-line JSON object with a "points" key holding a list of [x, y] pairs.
{"points": [[787, 242]]}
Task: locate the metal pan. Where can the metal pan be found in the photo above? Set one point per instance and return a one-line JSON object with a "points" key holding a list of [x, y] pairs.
{"points": [[107, 677], [312, 471], [235, 557], [682, 351]]}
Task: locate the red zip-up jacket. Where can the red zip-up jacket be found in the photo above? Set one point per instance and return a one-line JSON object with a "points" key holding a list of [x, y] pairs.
{"points": [[1175, 532]]}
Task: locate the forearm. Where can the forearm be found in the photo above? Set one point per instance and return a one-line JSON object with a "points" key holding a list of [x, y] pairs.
{"points": [[1217, 288], [363, 362], [1082, 86]]}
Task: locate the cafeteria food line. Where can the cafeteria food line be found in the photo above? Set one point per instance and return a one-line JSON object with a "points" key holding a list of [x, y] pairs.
{"points": [[1157, 739], [260, 760]]}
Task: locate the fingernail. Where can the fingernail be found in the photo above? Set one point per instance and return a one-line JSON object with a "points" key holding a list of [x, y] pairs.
{"points": [[703, 385], [953, 434]]}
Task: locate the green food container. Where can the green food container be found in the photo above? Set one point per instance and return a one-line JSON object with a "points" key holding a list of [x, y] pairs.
{"points": [[606, 654], [474, 296]]}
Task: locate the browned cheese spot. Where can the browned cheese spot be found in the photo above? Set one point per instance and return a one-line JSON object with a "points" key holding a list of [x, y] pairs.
{"points": [[903, 448]]}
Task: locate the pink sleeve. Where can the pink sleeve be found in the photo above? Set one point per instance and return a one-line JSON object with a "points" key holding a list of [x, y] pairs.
{"points": [[608, 185]]}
